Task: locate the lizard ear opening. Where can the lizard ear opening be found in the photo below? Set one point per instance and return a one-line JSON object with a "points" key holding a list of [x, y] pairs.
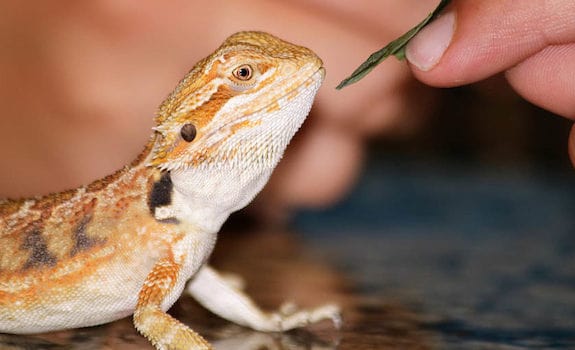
{"points": [[188, 132]]}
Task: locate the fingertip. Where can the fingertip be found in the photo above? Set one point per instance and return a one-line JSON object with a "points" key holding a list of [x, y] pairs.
{"points": [[425, 50]]}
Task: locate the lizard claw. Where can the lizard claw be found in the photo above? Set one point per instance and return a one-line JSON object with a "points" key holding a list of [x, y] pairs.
{"points": [[290, 316]]}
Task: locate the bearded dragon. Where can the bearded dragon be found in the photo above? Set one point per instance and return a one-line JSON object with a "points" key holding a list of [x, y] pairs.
{"points": [[132, 242]]}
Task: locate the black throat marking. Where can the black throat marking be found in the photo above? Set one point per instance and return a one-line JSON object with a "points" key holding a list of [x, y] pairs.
{"points": [[161, 196]]}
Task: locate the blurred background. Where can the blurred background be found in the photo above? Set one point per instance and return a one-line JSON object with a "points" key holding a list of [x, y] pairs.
{"points": [[453, 205], [469, 221]]}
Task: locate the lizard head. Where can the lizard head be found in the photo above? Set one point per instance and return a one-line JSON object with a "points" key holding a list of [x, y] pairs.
{"points": [[238, 107], [226, 125]]}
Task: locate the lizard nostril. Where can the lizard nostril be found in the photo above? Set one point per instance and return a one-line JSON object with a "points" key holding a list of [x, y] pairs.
{"points": [[188, 132]]}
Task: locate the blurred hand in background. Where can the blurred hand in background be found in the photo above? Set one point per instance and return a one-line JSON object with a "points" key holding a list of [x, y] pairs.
{"points": [[81, 82]]}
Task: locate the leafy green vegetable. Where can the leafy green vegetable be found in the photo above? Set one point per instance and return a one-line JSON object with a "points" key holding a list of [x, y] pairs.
{"points": [[396, 48]]}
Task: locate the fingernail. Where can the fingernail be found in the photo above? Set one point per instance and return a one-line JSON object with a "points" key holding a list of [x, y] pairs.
{"points": [[426, 49]]}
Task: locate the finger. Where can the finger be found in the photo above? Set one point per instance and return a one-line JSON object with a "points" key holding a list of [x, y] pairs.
{"points": [[474, 39], [547, 79]]}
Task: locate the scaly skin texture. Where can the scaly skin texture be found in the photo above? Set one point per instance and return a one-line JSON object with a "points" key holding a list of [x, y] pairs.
{"points": [[130, 242]]}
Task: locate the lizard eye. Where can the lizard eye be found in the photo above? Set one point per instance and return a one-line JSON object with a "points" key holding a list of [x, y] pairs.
{"points": [[243, 72], [188, 132]]}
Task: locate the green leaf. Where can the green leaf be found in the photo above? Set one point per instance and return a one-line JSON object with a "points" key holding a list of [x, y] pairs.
{"points": [[395, 48]]}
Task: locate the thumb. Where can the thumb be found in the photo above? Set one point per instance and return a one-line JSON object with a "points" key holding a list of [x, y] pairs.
{"points": [[473, 40]]}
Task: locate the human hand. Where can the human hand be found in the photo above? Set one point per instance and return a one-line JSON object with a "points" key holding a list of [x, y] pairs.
{"points": [[533, 44]]}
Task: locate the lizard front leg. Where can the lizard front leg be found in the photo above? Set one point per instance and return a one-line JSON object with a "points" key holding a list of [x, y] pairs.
{"points": [[161, 329], [215, 293]]}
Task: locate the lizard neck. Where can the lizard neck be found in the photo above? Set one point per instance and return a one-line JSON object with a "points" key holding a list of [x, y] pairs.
{"points": [[205, 196], [202, 196]]}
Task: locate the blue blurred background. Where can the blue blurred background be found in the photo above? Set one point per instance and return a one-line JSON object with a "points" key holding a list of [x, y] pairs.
{"points": [[469, 222]]}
